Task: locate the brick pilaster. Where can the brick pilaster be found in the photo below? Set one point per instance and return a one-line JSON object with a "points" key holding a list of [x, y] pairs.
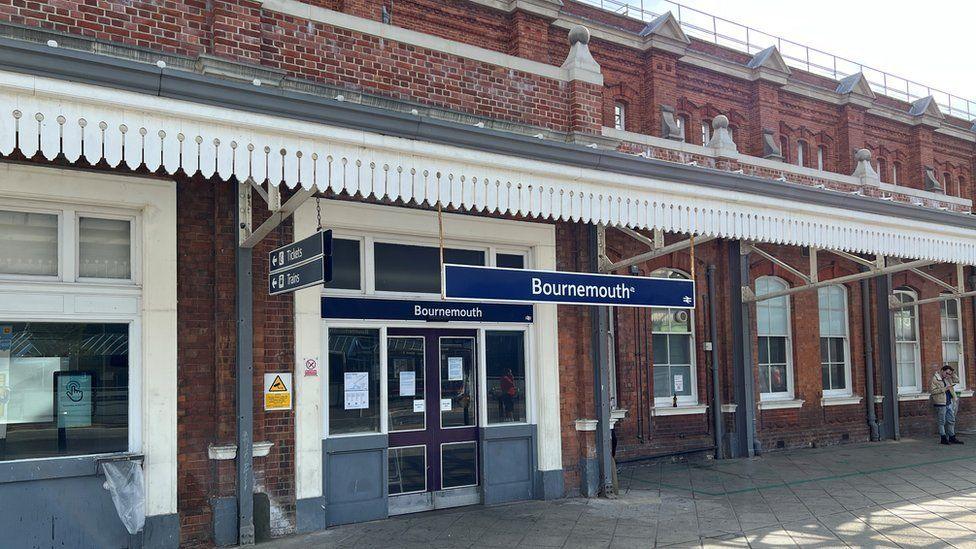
{"points": [[661, 88], [530, 37], [850, 136]]}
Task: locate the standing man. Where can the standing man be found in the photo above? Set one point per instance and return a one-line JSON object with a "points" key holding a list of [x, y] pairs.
{"points": [[943, 392]]}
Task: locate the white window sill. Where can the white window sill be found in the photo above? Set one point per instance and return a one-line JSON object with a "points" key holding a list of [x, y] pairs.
{"points": [[913, 396], [586, 424], [840, 400], [780, 404], [965, 393], [681, 410], [878, 399], [729, 408], [616, 415]]}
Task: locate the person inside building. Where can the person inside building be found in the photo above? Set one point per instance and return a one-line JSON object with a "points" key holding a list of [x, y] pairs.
{"points": [[943, 392]]}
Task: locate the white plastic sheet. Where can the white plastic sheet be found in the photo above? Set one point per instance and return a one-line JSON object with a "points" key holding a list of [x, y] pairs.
{"points": [[124, 479]]}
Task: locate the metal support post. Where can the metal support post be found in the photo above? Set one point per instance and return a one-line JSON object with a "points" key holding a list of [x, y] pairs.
{"points": [[244, 377], [743, 374], [601, 371], [716, 379], [868, 338], [886, 359]]}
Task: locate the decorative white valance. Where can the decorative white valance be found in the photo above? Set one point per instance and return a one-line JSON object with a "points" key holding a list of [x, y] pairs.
{"points": [[127, 129]]}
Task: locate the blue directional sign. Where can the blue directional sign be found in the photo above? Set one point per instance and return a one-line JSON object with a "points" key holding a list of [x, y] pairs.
{"points": [[300, 276], [470, 283], [300, 264], [305, 249]]}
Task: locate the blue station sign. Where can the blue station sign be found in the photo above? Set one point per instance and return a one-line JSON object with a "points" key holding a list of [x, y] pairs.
{"points": [[471, 283], [352, 308]]}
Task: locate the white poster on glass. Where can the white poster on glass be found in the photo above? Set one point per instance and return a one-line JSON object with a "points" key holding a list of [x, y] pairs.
{"points": [[356, 389], [408, 383], [455, 368], [418, 406], [679, 383]]}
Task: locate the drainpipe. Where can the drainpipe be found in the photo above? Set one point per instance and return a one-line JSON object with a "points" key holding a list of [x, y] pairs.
{"points": [[244, 385], [716, 384], [868, 357]]}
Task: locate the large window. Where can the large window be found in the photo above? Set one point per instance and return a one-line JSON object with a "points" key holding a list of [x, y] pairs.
{"points": [[416, 269], [907, 352], [952, 352], [505, 371], [834, 345], [672, 342], [775, 341], [64, 389], [32, 244], [354, 380]]}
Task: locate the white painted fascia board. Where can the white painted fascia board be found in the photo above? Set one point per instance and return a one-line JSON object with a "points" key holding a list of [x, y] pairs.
{"points": [[841, 401], [378, 29], [680, 410], [534, 188], [780, 404]]}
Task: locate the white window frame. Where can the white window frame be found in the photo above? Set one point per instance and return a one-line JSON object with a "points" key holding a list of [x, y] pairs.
{"points": [[482, 386], [66, 299], [706, 132], [789, 393], [894, 173], [620, 115], [367, 270], [682, 121], [683, 400], [847, 390], [961, 368], [801, 146], [38, 208], [820, 157], [133, 238], [911, 295]]}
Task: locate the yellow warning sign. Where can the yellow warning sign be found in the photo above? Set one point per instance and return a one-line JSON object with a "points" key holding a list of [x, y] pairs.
{"points": [[277, 391], [277, 386]]}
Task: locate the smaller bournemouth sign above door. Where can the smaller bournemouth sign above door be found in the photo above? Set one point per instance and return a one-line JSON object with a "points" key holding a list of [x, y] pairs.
{"points": [[469, 283]]}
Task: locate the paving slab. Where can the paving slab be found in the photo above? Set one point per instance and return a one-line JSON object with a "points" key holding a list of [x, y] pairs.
{"points": [[910, 493]]}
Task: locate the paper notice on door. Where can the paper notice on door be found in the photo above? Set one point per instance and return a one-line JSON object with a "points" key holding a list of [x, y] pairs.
{"points": [[679, 383], [455, 368], [356, 385], [445, 405], [408, 384], [418, 406]]}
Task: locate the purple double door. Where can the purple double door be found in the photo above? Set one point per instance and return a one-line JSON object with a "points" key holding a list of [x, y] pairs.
{"points": [[433, 410]]}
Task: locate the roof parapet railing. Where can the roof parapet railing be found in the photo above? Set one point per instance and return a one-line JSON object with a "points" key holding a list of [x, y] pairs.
{"points": [[723, 32]]}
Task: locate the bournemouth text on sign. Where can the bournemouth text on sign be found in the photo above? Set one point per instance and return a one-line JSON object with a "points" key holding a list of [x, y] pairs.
{"points": [[473, 283]]}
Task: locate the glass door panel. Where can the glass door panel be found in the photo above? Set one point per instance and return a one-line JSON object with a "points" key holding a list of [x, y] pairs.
{"points": [[458, 404], [405, 379]]}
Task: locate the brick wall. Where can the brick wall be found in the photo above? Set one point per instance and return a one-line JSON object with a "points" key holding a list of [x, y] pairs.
{"points": [[206, 362]]}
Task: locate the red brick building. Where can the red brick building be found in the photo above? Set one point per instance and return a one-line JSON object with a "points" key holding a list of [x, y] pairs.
{"points": [[154, 152]]}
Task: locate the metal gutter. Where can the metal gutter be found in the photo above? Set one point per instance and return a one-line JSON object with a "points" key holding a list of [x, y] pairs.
{"points": [[85, 67]]}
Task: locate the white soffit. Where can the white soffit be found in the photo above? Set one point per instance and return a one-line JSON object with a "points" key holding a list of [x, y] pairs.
{"points": [[126, 129]]}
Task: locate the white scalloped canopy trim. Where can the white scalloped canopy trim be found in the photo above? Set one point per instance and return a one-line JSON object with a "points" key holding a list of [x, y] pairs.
{"points": [[127, 130]]}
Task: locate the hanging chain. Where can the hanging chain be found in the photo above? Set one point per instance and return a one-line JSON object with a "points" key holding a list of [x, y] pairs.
{"points": [[318, 212]]}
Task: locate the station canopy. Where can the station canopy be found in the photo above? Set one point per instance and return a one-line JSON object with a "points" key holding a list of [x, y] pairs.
{"points": [[127, 130]]}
